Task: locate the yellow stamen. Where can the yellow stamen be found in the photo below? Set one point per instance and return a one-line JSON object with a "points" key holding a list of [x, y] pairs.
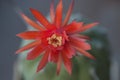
{"points": [[55, 40]]}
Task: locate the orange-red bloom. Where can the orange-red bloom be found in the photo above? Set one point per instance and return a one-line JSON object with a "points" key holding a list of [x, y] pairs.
{"points": [[57, 40]]}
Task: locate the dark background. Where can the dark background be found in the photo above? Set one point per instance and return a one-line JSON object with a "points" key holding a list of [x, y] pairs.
{"points": [[106, 12]]}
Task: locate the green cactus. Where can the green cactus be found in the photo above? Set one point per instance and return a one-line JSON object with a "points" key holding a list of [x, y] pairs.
{"points": [[83, 68]]}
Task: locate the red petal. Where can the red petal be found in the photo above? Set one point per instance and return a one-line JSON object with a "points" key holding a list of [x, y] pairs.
{"points": [[85, 53], [29, 35], [73, 27], [68, 50], [67, 63], [43, 62], [59, 64], [88, 26], [77, 42], [58, 16], [38, 15], [32, 23], [52, 13], [31, 45], [36, 52], [54, 57], [68, 13], [81, 36]]}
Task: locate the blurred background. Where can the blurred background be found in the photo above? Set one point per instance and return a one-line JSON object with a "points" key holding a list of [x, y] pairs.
{"points": [[106, 12]]}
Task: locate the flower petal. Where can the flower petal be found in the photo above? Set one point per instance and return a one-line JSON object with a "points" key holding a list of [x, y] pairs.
{"points": [[58, 15], [77, 42], [29, 35], [85, 53], [29, 46], [68, 13], [59, 64], [38, 15], [81, 36], [73, 27], [88, 26], [32, 23], [67, 63], [68, 50], [54, 56], [52, 13], [36, 52], [43, 61]]}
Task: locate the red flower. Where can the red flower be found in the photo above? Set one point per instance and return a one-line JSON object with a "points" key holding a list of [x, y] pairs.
{"points": [[57, 40]]}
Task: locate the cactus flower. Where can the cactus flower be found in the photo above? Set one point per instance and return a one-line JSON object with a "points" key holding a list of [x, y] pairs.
{"points": [[57, 40]]}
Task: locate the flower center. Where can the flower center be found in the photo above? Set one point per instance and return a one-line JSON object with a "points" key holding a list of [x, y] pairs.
{"points": [[55, 40]]}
